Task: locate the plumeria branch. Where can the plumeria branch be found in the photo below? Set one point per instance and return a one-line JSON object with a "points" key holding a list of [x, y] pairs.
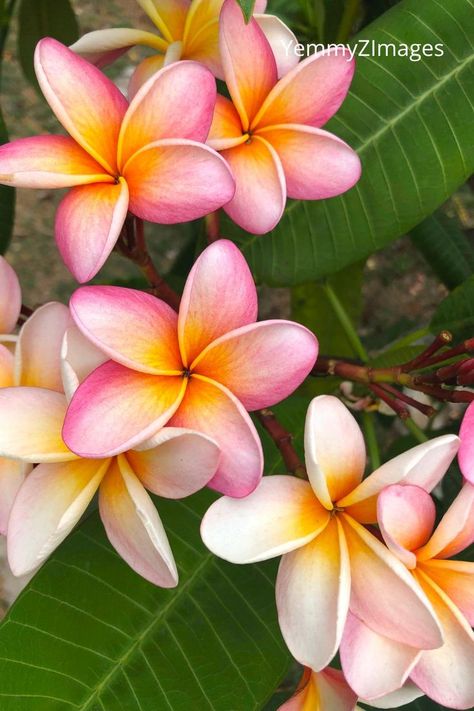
{"points": [[213, 228], [284, 441]]}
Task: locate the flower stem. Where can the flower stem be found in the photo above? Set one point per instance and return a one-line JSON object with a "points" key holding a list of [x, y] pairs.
{"points": [[371, 439], [346, 323], [348, 19], [284, 441], [417, 433]]}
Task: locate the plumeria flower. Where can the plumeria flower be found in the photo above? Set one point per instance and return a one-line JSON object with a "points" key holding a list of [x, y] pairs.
{"points": [[187, 29], [326, 690], [147, 157], [331, 562], [270, 133], [407, 516], [201, 369], [174, 464], [466, 450]]}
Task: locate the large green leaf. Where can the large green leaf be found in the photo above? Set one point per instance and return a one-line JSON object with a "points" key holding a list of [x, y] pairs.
{"points": [[456, 312], [7, 201], [90, 634], [411, 123]]}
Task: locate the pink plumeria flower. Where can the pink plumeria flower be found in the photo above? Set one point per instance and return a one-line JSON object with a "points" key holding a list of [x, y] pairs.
{"points": [[188, 29], [331, 562], [147, 157], [201, 369], [466, 450], [326, 690], [407, 516], [174, 464], [270, 133]]}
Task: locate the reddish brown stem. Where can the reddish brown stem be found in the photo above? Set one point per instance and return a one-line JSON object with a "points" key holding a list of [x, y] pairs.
{"points": [[440, 341], [284, 441], [425, 409], [464, 348], [213, 228], [393, 402]]}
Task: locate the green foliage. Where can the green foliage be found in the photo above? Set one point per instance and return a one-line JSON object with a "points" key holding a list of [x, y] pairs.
{"points": [[7, 201], [43, 18], [411, 123], [456, 312], [247, 8], [89, 633]]}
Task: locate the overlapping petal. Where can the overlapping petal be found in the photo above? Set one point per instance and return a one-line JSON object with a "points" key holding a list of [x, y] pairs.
{"points": [[7, 361], [46, 509], [102, 47], [312, 592], [10, 294], [144, 71], [12, 475], [210, 408], [456, 579], [169, 16], [466, 450], [226, 128], [176, 180], [455, 531], [281, 515], [408, 693], [79, 357], [201, 34], [133, 526], [116, 408], [261, 363], [281, 40], [89, 220], [322, 690], [219, 296]]}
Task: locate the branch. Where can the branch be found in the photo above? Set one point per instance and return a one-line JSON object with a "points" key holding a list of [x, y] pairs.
{"points": [[284, 441]]}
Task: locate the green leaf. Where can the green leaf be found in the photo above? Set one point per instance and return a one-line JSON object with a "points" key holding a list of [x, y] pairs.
{"points": [[90, 634], [7, 201], [446, 248], [43, 18], [247, 8], [411, 123], [456, 312]]}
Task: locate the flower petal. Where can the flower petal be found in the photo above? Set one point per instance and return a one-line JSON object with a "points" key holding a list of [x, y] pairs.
{"points": [[178, 102], [466, 450], [86, 102], [219, 296], [48, 162], [334, 449], [133, 526], [7, 361], [406, 516], [133, 328], [226, 127], [408, 693], [282, 41], [311, 93], [180, 463], [317, 165], [38, 353], [312, 592], [46, 509], [12, 476], [210, 408], [173, 181], [322, 690], [456, 579], [201, 35], [168, 15], [385, 595], [455, 531], [249, 64], [89, 221], [423, 466], [103, 47], [445, 674], [260, 195], [30, 425], [115, 409], [79, 357], [10, 294], [374, 665], [261, 363], [281, 515], [144, 71]]}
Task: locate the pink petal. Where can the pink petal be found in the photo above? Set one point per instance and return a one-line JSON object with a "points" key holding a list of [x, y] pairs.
{"points": [[466, 450], [312, 593], [322, 690], [455, 531], [178, 102], [261, 363], [385, 595], [408, 693], [38, 353], [281, 515], [260, 195], [210, 408], [103, 47], [89, 106], [176, 180], [7, 369], [131, 327], [10, 294], [406, 516], [48, 162], [89, 221], [317, 165], [180, 463], [30, 425], [46, 509], [374, 665], [281, 40], [79, 357], [456, 579], [219, 296], [115, 409], [334, 449], [311, 93], [249, 64], [226, 128], [134, 527], [12, 476], [147, 68]]}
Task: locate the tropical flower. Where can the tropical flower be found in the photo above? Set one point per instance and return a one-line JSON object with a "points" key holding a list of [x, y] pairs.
{"points": [[406, 517], [466, 450], [270, 132], [326, 690], [331, 563], [147, 157], [174, 464], [188, 29], [200, 370]]}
